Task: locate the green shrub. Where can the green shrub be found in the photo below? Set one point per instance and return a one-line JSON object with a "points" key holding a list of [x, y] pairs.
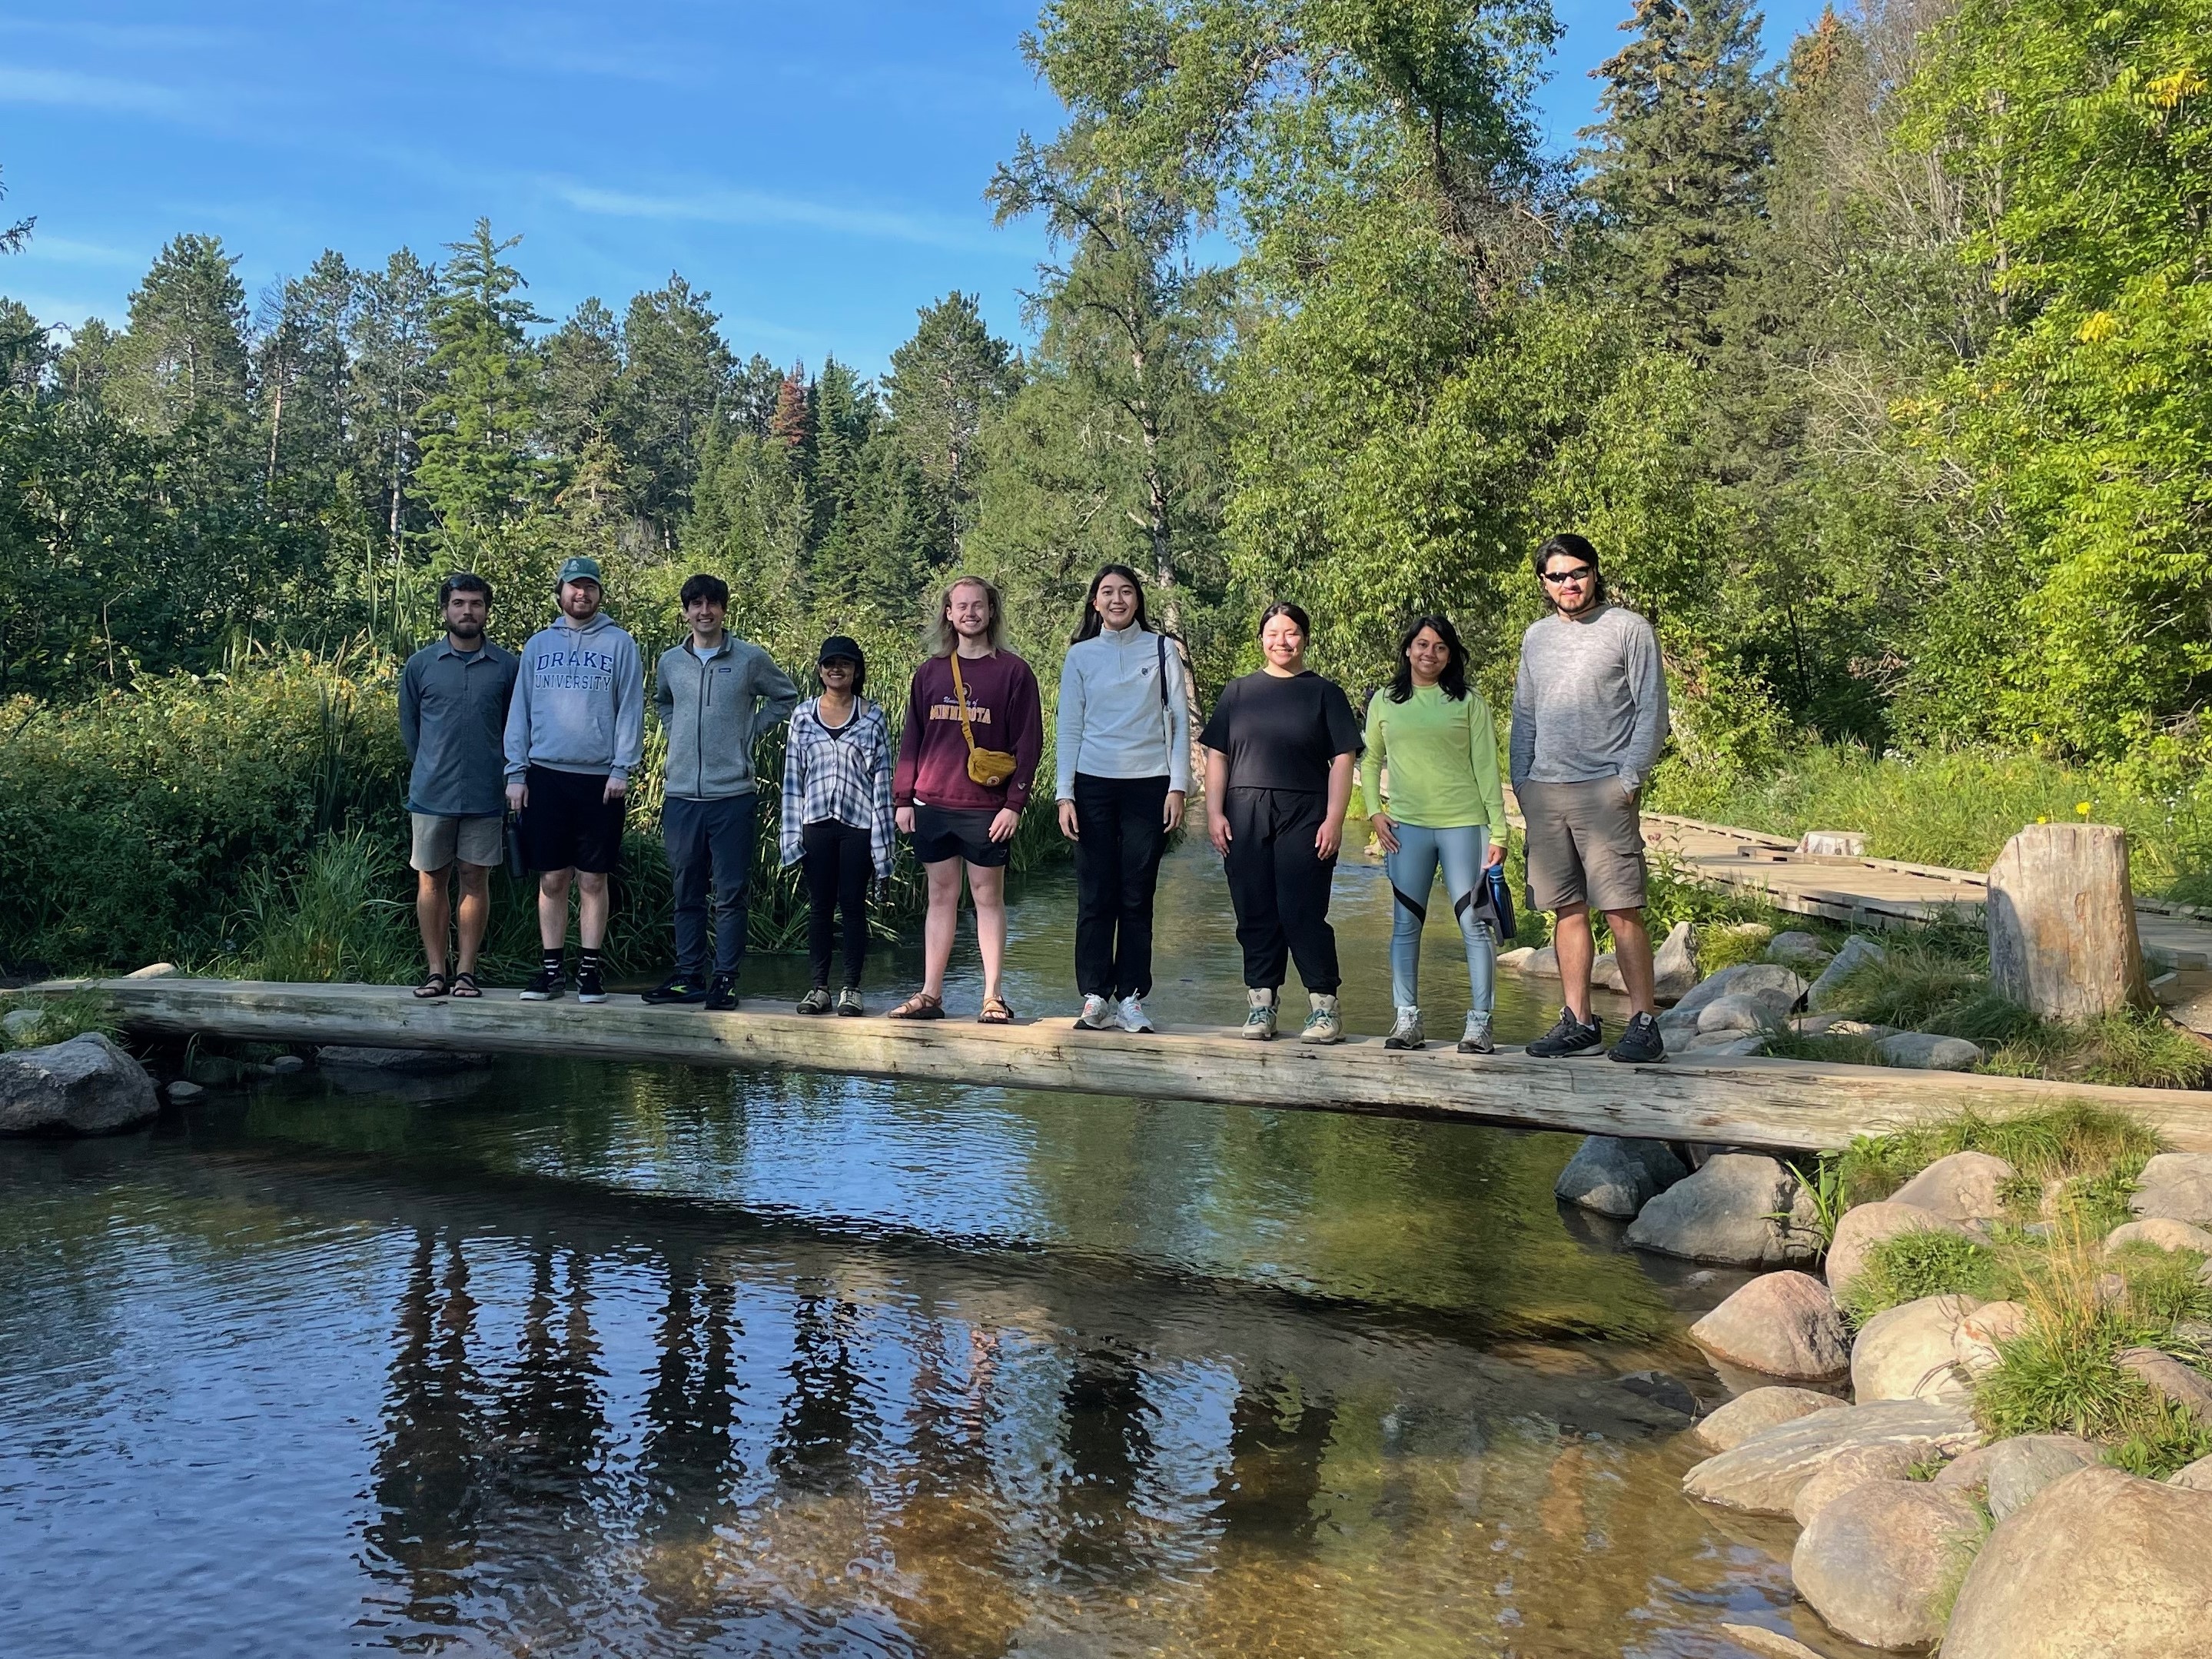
{"points": [[2074, 1142], [1909, 1266], [62, 1017]]}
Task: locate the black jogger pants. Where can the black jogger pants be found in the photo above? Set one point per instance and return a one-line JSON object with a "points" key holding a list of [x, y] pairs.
{"points": [[1280, 887]]}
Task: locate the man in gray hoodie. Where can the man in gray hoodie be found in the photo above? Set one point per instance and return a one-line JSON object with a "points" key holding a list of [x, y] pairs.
{"points": [[574, 732], [715, 695]]}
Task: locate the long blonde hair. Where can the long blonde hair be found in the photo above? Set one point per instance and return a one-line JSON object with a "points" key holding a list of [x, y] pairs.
{"points": [[938, 638]]}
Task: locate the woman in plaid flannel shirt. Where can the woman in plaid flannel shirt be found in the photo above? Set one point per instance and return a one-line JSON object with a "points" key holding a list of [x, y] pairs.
{"points": [[837, 815]]}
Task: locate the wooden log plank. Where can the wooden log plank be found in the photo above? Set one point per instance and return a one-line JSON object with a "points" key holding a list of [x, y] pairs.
{"points": [[1781, 1104]]}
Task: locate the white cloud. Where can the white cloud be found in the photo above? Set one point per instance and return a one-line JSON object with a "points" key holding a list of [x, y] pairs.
{"points": [[64, 250], [746, 207], [65, 89]]}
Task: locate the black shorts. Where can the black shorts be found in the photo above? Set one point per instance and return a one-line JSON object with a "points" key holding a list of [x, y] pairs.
{"points": [[942, 833], [567, 823]]}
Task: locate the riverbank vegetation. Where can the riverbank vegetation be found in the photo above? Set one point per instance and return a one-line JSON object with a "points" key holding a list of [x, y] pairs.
{"points": [[2084, 1304], [1881, 400]]}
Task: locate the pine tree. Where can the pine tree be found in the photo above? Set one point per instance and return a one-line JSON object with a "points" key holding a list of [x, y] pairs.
{"points": [[1681, 166], [391, 342], [791, 425], [676, 374], [477, 467], [184, 356], [945, 381]]}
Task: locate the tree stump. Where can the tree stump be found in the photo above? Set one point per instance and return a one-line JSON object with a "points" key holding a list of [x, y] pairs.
{"points": [[2062, 919]]}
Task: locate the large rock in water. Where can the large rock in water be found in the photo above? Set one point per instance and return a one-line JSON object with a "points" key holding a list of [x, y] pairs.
{"points": [[1763, 1474], [1848, 1470], [1877, 1562], [1617, 1177], [1783, 1324], [2176, 1184], [1755, 1411], [1911, 1351], [1963, 1186], [2099, 1565], [86, 1086], [1725, 1213], [1866, 1225], [1857, 952], [412, 1061]]}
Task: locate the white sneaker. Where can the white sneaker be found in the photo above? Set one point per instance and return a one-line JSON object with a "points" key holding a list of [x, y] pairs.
{"points": [[1259, 1015], [1325, 1023], [1097, 1015], [1130, 1016], [1407, 1032]]}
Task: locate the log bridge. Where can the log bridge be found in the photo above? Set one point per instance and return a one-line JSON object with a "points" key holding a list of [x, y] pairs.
{"points": [[1785, 1105]]}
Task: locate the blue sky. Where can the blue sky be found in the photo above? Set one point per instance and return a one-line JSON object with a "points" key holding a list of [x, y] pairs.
{"points": [[818, 168]]}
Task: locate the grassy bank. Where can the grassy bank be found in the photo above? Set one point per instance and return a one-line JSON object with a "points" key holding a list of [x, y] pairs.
{"points": [[253, 823], [1959, 808], [2074, 1167]]}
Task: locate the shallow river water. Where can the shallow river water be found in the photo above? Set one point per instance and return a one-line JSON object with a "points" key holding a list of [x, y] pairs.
{"points": [[572, 1358]]}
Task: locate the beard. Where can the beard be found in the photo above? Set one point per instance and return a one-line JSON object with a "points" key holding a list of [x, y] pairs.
{"points": [[465, 630]]}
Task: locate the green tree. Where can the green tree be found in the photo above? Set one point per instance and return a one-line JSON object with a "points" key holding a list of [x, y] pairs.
{"points": [[478, 468], [948, 377], [677, 373]]}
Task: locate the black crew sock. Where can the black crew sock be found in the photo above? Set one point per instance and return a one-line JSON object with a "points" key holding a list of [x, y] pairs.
{"points": [[587, 962], [554, 961]]}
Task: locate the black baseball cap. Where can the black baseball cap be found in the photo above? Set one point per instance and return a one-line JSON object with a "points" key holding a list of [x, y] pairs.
{"points": [[841, 645]]}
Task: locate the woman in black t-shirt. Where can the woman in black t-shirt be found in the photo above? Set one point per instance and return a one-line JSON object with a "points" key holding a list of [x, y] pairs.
{"points": [[1280, 751]]}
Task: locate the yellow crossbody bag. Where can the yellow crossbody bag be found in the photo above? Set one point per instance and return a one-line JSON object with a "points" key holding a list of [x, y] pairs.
{"points": [[988, 766]]}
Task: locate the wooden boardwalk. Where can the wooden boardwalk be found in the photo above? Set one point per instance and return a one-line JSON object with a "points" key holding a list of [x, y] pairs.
{"points": [[1880, 893], [1781, 1104]]}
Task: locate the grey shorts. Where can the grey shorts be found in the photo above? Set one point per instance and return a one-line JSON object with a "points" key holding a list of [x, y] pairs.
{"points": [[439, 842], [1585, 845]]}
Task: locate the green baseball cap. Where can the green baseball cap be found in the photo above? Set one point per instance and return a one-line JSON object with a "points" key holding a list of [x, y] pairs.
{"points": [[581, 569]]}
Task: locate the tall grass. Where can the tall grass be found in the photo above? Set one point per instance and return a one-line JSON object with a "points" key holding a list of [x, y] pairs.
{"points": [[1959, 808], [2094, 1151]]}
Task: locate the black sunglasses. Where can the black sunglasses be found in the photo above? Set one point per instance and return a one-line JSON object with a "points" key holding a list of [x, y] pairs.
{"points": [[1581, 572]]}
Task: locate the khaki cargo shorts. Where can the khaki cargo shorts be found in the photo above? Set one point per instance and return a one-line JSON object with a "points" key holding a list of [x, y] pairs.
{"points": [[439, 842], [1585, 845]]}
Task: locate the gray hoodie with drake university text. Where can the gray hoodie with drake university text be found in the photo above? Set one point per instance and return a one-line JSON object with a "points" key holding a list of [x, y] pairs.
{"points": [[579, 701], [713, 708]]}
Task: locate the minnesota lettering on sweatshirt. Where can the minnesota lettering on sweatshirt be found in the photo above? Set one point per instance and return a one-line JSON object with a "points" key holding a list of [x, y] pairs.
{"points": [[579, 701], [1006, 712]]}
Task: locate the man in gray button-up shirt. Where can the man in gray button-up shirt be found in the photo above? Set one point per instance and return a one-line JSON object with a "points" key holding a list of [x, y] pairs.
{"points": [[453, 715]]}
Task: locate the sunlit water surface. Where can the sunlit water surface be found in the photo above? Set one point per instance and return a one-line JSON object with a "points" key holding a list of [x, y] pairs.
{"points": [[574, 1358]]}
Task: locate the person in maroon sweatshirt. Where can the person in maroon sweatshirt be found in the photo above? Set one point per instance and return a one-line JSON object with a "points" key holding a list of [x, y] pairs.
{"points": [[953, 819]]}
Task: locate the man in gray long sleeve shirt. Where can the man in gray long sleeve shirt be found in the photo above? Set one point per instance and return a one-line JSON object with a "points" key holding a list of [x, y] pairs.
{"points": [[1589, 717]]}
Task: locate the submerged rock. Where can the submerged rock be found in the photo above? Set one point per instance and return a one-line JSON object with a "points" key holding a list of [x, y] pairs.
{"points": [[1615, 1176], [341, 1056], [1783, 1324], [1764, 1473], [1766, 1643], [1725, 1213], [1757, 1410], [85, 1086], [2098, 1562], [1963, 1186], [1879, 1561]]}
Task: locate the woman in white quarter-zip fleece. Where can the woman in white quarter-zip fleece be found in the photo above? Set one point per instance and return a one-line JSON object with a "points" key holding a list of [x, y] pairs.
{"points": [[1124, 759]]}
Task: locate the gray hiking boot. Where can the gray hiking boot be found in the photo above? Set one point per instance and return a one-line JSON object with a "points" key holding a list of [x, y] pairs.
{"points": [[1407, 1032], [1260, 1015], [1324, 1024], [1098, 1014], [1476, 1038]]}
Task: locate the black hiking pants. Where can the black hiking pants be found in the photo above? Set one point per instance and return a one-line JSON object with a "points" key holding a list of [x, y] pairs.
{"points": [[1279, 887], [1120, 839]]}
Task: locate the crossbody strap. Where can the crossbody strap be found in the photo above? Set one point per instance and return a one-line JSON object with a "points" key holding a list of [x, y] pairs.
{"points": [[960, 691]]}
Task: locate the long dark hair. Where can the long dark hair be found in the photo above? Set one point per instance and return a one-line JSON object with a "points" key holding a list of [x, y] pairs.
{"points": [[1092, 623], [1452, 679]]}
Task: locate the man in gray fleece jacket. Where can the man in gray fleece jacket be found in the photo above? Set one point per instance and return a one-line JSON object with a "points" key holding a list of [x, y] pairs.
{"points": [[575, 730], [716, 695], [1589, 717]]}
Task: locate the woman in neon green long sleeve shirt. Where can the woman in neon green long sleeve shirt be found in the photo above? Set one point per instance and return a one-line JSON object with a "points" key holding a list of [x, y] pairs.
{"points": [[1444, 809]]}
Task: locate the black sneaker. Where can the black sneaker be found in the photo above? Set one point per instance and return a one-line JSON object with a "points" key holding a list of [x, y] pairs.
{"points": [[1641, 1043], [678, 987], [545, 986], [722, 994], [588, 986], [1568, 1039]]}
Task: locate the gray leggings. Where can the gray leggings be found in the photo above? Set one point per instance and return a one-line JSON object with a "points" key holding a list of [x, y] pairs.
{"points": [[1412, 873]]}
